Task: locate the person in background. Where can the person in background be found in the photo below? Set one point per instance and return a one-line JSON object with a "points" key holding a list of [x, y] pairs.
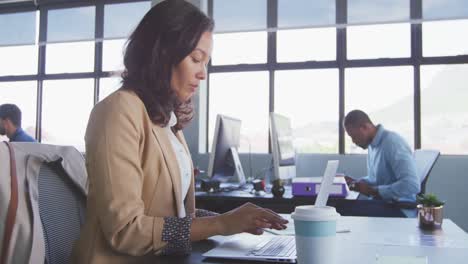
{"points": [[10, 124], [141, 200], [390, 164]]}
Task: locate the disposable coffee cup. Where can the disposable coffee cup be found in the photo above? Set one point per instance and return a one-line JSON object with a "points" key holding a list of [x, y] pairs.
{"points": [[315, 229]]}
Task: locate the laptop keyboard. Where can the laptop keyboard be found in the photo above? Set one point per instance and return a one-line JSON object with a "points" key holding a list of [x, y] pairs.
{"points": [[278, 246]]}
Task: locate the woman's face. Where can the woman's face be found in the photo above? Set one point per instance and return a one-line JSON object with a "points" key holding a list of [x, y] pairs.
{"points": [[186, 76]]}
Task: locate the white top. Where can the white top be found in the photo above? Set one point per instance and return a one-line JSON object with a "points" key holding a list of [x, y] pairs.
{"points": [[183, 160]]}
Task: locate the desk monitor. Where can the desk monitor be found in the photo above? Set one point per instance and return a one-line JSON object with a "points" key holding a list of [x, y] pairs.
{"points": [[284, 164], [224, 164]]}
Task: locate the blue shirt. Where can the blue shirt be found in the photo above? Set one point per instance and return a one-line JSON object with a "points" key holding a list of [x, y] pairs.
{"points": [[21, 136], [391, 167]]}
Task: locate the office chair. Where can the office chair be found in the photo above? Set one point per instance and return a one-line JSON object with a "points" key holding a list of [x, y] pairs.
{"points": [[425, 160], [62, 211]]}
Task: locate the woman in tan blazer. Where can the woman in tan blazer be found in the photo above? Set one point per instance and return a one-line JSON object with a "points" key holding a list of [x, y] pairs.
{"points": [[141, 187]]}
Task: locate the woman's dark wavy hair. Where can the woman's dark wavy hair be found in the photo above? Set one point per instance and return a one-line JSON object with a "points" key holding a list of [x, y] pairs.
{"points": [[162, 39]]}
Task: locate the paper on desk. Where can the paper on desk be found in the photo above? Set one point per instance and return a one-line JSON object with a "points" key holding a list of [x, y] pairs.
{"points": [[415, 240], [401, 260]]}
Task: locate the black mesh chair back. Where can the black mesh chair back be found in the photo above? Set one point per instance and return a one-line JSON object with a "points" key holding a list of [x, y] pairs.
{"points": [[425, 160], [62, 211]]}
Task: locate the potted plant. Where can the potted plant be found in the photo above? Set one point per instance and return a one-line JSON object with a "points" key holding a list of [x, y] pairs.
{"points": [[430, 214]]}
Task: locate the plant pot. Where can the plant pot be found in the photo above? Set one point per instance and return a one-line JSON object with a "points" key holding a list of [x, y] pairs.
{"points": [[430, 218]]}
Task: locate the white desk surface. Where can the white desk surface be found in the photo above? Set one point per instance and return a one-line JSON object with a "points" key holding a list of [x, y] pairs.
{"points": [[372, 236]]}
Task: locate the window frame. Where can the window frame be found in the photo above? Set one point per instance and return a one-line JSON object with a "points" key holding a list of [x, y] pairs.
{"points": [[43, 9], [341, 63]]}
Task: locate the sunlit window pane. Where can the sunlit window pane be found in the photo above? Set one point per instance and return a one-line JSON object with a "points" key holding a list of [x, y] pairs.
{"points": [[310, 99], [360, 11], [112, 58], [444, 108], [17, 28], [121, 19], [436, 9], [306, 45], [108, 86], [239, 48], [240, 14], [65, 111], [24, 95], [386, 95], [71, 24], [445, 38], [70, 57], [379, 41], [18, 60], [297, 13], [228, 97]]}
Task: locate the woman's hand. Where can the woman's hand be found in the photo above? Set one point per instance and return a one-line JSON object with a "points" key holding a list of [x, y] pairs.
{"points": [[249, 218]]}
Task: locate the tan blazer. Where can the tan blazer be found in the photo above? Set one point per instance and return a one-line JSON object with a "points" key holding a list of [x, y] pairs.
{"points": [[134, 181]]}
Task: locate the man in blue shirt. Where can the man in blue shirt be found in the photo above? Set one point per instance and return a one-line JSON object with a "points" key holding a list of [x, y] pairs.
{"points": [[390, 164], [10, 124]]}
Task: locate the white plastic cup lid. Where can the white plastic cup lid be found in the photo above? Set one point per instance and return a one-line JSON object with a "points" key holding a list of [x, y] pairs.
{"points": [[315, 213]]}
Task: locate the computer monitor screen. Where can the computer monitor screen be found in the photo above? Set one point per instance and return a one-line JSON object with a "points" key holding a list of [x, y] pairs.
{"points": [[224, 164], [282, 147]]}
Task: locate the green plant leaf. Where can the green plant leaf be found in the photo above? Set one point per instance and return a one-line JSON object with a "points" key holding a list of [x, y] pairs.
{"points": [[429, 200]]}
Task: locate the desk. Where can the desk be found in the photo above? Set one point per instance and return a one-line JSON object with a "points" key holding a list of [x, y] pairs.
{"points": [[352, 246], [350, 206]]}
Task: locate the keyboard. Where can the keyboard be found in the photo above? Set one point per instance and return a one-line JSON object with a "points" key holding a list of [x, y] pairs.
{"points": [[277, 246]]}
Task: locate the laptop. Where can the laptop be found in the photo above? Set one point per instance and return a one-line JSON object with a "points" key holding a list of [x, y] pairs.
{"points": [[270, 248]]}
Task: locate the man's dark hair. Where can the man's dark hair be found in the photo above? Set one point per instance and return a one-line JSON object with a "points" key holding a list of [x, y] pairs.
{"points": [[11, 112], [163, 38], [356, 118]]}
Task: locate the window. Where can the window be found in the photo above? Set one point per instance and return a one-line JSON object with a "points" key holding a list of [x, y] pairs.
{"points": [[18, 49], [240, 15], [242, 95], [239, 48], [24, 95], [317, 44], [121, 19], [306, 44], [444, 38], [21, 29], [301, 13], [444, 121], [300, 52], [386, 95], [310, 99], [112, 55], [18, 60], [108, 86], [67, 72], [71, 24], [361, 11], [119, 22], [65, 111], [443, 9], [379, 41], [70, 57]]}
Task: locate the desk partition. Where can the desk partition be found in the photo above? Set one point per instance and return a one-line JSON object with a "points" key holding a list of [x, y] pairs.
{"points": [[349, 206]]}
